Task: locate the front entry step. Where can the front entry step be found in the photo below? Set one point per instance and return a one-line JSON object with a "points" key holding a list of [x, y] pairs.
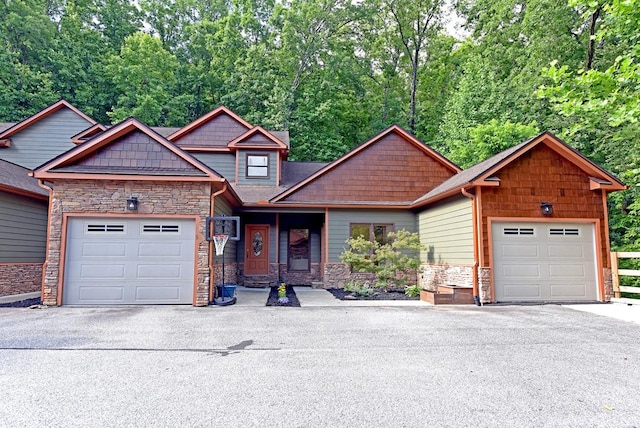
{"points": [[448, 295], [258, 283]]}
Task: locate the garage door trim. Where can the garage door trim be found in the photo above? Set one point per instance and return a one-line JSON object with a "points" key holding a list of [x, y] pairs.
{"points": [[596, 223], [110, 217]]}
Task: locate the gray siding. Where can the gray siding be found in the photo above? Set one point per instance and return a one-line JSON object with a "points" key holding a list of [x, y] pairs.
{"points": [[222, 163], [23, 229], [340, 220], [242, 169], [446, 229], [45, 139], [221, 208]]}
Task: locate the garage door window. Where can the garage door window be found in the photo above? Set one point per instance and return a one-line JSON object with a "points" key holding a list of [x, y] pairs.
{"points": [[559, 231], [522, 231], [104, 228], [161, 228]]}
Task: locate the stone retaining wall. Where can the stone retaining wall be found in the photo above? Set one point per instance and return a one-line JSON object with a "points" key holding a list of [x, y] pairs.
{"points": [[18, 278]]}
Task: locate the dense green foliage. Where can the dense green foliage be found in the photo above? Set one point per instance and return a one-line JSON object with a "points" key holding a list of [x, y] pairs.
{"points": [[391, 262], [336, 72]]}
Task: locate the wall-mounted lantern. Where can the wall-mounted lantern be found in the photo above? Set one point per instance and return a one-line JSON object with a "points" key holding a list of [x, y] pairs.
{"points": [[132, 203], [547, 208]]}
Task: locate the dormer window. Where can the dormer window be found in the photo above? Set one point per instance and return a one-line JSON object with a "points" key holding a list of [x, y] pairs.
{"points": [[257, 166]]}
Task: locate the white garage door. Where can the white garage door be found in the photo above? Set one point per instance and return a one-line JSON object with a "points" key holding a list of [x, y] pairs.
{"points": [[544, 262], [129, 261]]}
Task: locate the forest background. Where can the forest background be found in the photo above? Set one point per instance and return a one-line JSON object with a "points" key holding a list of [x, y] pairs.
{"points": [[335, 72]]}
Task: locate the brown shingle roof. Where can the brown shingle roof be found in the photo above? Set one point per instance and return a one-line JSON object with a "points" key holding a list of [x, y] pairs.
{"points": [[13, 176], [292, 173], [6, 125]]}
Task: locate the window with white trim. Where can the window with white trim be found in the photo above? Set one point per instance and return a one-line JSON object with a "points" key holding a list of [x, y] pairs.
{"points": [[257, 166]]}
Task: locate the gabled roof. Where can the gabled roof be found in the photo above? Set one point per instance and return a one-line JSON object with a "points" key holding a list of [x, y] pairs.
{"points": [[203, 120], [91, 131], [257, 138], [15, 179], [483, 173], [7, 133], [406, 136], [128, 150]]}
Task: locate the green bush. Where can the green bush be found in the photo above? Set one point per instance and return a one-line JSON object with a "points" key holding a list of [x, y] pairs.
{"points": [[412, 290], [390, 262], [358, 289]]}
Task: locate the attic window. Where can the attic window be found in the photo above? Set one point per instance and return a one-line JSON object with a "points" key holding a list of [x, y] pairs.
{"points": [[257, 166]]}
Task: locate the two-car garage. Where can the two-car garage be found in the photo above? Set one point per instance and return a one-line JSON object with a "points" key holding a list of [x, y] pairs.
{"points": [[544, 261], [129, 261]]}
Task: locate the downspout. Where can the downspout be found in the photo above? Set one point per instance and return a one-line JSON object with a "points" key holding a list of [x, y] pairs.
{"points": [[46, 256], [474, 275], [212, 213]]}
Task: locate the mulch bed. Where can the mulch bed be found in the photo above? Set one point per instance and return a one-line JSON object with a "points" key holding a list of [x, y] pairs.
{"points": [[22, 303], [339, 293], [273, 298]]}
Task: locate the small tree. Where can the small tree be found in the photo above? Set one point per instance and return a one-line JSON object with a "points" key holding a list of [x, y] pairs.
{"points": [[390, 262]]}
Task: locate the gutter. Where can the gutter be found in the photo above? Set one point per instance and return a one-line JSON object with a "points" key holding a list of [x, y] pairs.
{"points": [[474, 276], [46, 258]]}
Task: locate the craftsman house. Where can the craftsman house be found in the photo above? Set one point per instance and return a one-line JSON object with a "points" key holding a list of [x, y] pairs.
{"points": [[129, 209]]}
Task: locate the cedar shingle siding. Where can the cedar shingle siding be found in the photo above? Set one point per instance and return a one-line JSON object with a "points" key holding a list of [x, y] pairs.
{"points": [[392, 170], [216, 133], [542, 175]]}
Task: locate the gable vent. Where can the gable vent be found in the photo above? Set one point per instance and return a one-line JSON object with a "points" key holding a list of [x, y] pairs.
{"points": [[518, 231], [161, 228], [561, 231], [105, 228]]}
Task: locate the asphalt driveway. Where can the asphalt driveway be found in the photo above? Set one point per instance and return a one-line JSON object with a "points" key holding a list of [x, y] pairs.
{"points": [[317, 367]]}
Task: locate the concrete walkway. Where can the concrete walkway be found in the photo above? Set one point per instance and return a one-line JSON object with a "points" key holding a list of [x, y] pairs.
{"points": [[314, 297]]}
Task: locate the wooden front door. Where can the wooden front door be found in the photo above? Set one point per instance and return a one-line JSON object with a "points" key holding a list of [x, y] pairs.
{"points": [[256, 249]]}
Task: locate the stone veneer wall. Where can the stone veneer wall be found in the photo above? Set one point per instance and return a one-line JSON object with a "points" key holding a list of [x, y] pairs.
{"points": [[18, 278], [484, 284], [336, 275], [433, 275], [608, 284], [300, 278], [266, 280], [109, 197], [230, 273]]}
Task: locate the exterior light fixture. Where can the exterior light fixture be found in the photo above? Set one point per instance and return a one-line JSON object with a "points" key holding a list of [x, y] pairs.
{"points": [[132, 203], [547, 208]]}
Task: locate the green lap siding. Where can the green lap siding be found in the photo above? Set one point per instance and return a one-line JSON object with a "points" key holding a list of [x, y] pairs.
{"points": [[23, 229], [340, 221], [446, 229], [222, 163], [44, 140]]}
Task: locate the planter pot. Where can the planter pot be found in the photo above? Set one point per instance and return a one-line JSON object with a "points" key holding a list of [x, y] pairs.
{"points": [[228, 291], [435, 298]]}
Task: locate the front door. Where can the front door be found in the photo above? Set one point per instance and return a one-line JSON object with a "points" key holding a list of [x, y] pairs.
{"points": [[256, 249]]}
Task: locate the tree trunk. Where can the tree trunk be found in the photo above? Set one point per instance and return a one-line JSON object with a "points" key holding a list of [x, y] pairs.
{"points": [[592, 42]]}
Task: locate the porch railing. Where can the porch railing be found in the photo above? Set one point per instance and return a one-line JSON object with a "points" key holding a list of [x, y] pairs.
{"points": [[616, 273]]}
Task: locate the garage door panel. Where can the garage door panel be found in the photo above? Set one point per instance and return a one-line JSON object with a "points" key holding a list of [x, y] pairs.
{"points": [[155, 271], [566, 251], [563, 290], [519, 251], [96, 271], [161, 249], [129, 261], [102, 249], [519, 291], [101, 293], [156, 293], [564, 263], [567, 271], [521, 271]]}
